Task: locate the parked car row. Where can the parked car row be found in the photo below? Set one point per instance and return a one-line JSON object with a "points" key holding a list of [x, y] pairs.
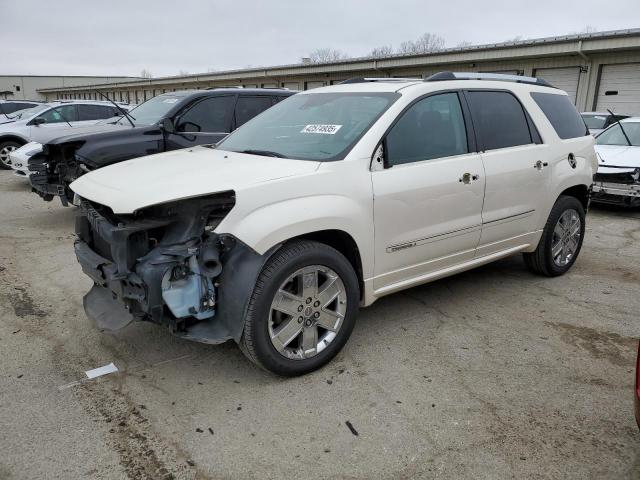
{"points": [[167, 122], [241, 214], [45, 121]]}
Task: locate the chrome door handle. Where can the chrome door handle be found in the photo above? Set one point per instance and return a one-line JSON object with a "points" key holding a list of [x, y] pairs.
{"points": [[540, 165], [467, 178]]}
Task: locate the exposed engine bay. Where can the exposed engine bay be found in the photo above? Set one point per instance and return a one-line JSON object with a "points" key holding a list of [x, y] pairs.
{"points": [[165, 264]]}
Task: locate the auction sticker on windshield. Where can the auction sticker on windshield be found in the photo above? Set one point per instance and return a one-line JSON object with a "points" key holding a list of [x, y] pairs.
{"points": [[325, 129]]}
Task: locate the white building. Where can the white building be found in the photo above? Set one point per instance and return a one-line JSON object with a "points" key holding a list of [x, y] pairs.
{"points": [[27, 87], [599, 70]]}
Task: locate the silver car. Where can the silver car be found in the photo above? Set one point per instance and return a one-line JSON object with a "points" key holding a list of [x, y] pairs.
{"points": [[47, 121]]}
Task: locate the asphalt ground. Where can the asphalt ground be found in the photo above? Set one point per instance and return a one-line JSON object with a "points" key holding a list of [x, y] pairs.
{"points": [[493, 373]]}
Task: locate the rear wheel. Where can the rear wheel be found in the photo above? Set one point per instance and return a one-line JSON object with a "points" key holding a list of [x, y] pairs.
{"points": [[5, 149], [561, 239], [302, 309]]}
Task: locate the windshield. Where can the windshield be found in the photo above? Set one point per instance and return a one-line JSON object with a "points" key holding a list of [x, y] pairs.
{"points": [[29, 112], [315, 126], [594, 121], [151, 111], [614, 135]]}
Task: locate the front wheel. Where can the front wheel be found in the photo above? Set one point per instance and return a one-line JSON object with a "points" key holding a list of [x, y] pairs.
{"points": [[561, 239], [302, 310], [5, 149]]}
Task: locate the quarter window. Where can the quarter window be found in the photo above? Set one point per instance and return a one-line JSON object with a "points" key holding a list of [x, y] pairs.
{"points": [[499, 119], [210, 115], [562, 114], [431, 128]]}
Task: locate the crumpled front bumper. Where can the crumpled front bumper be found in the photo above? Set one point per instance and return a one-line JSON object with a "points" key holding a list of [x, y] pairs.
{"points": [[616, 193], [131, 273], [45, 183]]}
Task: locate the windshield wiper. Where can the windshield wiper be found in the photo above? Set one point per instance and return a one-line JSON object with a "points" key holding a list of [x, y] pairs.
{"points": [[264, 153], [621, 127], [122, 110]]}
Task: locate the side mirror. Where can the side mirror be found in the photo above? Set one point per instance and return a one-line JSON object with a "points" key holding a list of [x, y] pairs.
{"points": [[189, 127], [167, 125], [37, 121]]}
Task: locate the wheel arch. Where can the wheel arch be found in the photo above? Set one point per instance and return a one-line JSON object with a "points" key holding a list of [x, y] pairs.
{"points": [[13, 137], [342, 242], [580, 192]]}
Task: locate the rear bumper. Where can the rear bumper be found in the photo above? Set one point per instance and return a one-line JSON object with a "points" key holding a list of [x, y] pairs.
{"points": [[616, 193]]}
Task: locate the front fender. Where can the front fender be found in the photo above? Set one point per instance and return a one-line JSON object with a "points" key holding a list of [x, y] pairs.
{"points": [[272, 224]]}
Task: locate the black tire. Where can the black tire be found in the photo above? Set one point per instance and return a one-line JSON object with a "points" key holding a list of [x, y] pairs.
{"points": [[541, 260], [5, 144], [256, 343]]}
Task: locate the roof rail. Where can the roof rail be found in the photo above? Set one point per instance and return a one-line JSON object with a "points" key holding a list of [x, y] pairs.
{"points": [[378, 79], [442, 76]]}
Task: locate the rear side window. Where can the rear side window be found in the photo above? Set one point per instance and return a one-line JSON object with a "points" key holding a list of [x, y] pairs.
{"points": [[499, 119], [562, 114], [94, 112], [211, 115], [249, 107]]}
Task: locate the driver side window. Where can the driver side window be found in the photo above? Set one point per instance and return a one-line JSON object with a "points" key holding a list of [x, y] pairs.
{"points": [[211, 115], [431, 128], [64, 113]]}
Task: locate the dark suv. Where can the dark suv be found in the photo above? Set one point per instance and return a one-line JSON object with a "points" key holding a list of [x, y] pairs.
{"points": [[169, 121]]}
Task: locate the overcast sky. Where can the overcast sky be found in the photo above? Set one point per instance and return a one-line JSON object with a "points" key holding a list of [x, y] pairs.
{"points": [[122, 37]]}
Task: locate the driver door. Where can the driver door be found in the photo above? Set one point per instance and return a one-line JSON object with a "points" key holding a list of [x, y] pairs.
{"points": [[206, 121], [428, 199], [56, 119]]}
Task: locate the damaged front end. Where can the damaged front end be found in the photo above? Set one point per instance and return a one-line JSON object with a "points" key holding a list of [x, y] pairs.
{"points": [[617, 185], [165, 264], [53, 170]]}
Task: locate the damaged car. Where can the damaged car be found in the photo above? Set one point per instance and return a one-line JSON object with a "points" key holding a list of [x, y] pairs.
{"points": [[166, 122], [330, 200], [618, 179]]}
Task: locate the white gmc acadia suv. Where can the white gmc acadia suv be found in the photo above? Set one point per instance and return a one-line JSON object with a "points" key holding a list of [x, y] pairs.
{"points": [[328, 201]]}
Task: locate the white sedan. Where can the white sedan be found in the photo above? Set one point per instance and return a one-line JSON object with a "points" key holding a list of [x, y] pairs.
{"points": [[618, 177]]}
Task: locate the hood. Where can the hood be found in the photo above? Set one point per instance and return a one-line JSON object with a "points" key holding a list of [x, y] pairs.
{"points": [[97, 133], [618, 156], [65, 132], [129, 186]]}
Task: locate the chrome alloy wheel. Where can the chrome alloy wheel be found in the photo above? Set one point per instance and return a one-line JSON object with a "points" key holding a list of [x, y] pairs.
{"points": [[4, 154], [307, 312], [566, 237]]}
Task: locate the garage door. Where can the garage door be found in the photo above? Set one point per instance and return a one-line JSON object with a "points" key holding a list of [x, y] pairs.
{"points": [[310, 85], [291, 85], [619, 88], [563, 78]]}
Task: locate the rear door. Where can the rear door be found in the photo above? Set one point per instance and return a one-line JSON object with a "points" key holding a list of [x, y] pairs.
{"points": [[206, 121], [428, 199], [517, 174]]}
